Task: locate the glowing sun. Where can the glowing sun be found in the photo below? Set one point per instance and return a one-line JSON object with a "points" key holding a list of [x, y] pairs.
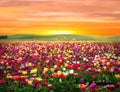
{"points": [[60, 32]]}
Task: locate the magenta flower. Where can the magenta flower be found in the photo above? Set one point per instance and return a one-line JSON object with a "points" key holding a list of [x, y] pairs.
{"points": [[2, 81], [92, 85]]}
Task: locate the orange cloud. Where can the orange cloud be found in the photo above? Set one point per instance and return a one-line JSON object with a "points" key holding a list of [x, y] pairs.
{"points": [[91, 17]]}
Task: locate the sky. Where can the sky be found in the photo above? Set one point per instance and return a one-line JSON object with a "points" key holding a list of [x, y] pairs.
{"points": [[49, 17]]}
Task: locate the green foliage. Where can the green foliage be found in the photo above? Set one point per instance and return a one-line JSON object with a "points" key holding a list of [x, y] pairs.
{"points": [[68, 37]]}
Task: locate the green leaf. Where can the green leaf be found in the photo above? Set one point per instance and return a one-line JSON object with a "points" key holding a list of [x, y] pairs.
{"points": [[87, 84], [51, 90]]}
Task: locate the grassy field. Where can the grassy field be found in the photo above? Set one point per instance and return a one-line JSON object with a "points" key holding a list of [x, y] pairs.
{"points": [[63, 37]]}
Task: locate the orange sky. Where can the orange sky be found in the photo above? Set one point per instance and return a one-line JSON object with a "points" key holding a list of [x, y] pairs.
{"points": [[48, 17]]}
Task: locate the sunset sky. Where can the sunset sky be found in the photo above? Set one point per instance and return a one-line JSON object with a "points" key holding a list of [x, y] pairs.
{"points": [[49, 17]]}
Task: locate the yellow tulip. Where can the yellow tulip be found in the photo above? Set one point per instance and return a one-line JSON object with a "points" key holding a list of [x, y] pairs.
{"points": [[103, 60], [104, 67], [65, 64], [68, 61], [39, 79], [33, 71], [24, 72], [36, 54], [65, 73], [45, 70], [30, 64], [20, 58], [59, 73], [30, 82], [8, 76], [55, 66], [117, 75], [108, 63]]}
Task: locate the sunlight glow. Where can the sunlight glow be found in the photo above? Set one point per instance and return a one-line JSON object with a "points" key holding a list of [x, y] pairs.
{"points": [[59, 32]]}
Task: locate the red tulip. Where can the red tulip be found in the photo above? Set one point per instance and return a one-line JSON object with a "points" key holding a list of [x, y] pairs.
{"points": [[41, 71], [16, 77], [23, 83], [110, 87], [44, 83], [94, 76], [15, 69], [23, 78], [62, 76], [8, 91], [36, 81], [47, 76], [82, 87], [55, 75]]}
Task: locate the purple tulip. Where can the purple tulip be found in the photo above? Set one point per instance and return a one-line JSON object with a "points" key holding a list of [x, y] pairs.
{"points": [[92, 85], [56, 69], [34, 86], [81, 75], [82, 81]]}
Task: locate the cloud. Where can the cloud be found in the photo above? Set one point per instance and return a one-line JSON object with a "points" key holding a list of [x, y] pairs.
{"points": [[59, 13], [77, 10]]}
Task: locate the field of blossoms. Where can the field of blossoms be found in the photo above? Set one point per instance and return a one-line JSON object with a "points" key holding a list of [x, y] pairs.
{"points": [[36, 66]]}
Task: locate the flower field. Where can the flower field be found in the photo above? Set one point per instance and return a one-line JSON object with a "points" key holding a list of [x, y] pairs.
{"points": [[36, 66]]}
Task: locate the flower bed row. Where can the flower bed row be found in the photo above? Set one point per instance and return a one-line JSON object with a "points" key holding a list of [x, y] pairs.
{"points": [[59, 66]]}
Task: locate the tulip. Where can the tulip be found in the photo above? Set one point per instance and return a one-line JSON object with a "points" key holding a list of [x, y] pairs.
{"points": [[52, 70], [47, 76], [64, 69], [24, 72], [117, 75], [34, 86], [94, 76], [82, 87], [82, 81], [44, 83], [23, 83], [55, 75], [59, 73], [33, 71], [9, 76], [55, 66], [62, 76], [16, 77], [110, 87], [45, 70], [71, 71], [30, 82], [23, 78], [118, 83], [92, 85], [108, 63], [15, 82], [2, 81], [50, 86], [36, 54], [104, 67], [56, 69], [39, 79], [81, 75]]}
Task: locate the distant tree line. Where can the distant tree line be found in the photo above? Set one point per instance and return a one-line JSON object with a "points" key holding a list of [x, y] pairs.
{"points": [[3, 36]]}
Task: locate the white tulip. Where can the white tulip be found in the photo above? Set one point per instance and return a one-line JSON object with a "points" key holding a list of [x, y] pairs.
{"points": [[71, 71]]}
